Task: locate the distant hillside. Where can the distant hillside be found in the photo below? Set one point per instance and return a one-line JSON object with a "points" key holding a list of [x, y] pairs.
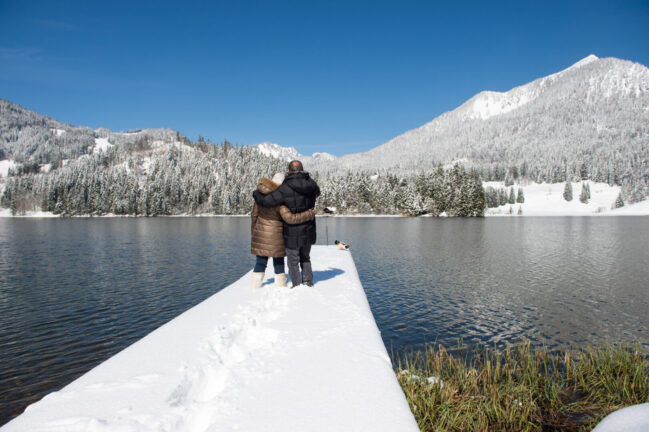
{"points": [[53, 167], [588, 121], [59, 168]]}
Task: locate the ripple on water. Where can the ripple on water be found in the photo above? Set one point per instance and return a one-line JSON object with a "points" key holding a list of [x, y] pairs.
{"points": [[75, 292]]}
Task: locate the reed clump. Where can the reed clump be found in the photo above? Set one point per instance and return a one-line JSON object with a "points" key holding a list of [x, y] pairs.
{"points": [[522, 388]]}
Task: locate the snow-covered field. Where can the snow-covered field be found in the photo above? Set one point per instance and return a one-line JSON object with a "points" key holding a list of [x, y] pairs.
{"points": [[271, 359], [6, 165], [101, 145], [546, 199]]}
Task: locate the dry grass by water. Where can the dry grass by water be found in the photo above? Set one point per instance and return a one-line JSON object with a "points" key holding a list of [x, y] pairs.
{"points": [[522, 388]]}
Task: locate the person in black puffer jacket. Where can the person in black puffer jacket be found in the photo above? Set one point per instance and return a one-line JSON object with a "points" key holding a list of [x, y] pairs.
{"points": [[298, 192]]}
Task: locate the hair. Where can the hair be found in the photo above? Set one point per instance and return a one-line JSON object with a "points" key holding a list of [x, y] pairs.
{"points": [[295, 165]]}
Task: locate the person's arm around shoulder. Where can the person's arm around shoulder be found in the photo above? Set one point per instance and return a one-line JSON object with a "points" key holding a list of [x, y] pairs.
{"points": [[296, 218], [273, 199]]}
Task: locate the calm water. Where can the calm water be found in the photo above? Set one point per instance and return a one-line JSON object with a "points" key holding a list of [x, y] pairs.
{"points": [[75, 292]]}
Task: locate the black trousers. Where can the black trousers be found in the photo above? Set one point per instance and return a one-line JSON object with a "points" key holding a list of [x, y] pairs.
{"points": [[262, 261], [297, 258]]}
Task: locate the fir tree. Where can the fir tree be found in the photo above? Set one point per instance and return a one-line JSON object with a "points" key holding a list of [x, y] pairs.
{"points": [[520, 198], [567, 191], [512, 196], [618, 202], [584, 195]]}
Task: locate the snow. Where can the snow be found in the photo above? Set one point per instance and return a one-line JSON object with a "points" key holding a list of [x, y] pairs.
{"points": [[45, 168], [146, 164], [546, 199], [487, 104], [323, 156], [6, 165], [636, 209], [586, 60], [271, 359], [630, 419], [5, 212], [278, 152], [58, 132], [461, 161], [101, 145]]}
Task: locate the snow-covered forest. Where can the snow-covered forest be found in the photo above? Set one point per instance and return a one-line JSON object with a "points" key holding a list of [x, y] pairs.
{"points": [[188, 178], [588, 122], [71, 170]]}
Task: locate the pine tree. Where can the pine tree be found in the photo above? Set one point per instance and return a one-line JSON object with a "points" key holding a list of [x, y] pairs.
{"points": [[618, 202], [520, 198], [567, 191], [583, 196], [512, 196]]}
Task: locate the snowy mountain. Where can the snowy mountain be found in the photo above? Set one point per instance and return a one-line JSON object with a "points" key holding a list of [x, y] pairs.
{"points": [[590, 120], [31, 139], [49, 166], [290, 153], [274, 150], [587, 122]]}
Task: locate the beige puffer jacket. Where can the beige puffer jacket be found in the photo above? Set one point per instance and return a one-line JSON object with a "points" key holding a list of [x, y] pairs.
{"points": [[267, 226]]}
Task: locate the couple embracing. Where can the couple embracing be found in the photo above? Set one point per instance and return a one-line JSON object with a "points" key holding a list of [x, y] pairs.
{"points": [[283, 225]]}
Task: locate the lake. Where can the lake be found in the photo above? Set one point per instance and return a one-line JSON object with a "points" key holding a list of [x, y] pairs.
{"points": [[73, 292]]}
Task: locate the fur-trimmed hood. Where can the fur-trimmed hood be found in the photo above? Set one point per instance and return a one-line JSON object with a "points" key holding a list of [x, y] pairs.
{"points": [[266, 186]]}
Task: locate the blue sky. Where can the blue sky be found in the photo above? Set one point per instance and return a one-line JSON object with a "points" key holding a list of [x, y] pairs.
{"points": [[328, 76]]}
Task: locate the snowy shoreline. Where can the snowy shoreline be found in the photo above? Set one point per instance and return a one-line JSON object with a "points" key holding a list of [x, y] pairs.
{"points": [[540, 199], [631, 211]]}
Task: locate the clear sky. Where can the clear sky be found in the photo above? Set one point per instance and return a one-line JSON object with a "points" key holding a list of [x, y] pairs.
{"points": [[328, 76]]}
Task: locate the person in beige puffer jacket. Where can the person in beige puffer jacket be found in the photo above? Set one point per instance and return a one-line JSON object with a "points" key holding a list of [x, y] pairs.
{"points": [[267, 232]]}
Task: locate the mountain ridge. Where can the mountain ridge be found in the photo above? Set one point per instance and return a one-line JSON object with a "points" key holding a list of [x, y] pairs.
{"points": [[588, 121]]}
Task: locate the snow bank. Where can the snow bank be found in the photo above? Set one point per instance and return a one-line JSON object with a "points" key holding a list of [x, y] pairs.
{"points": [[5, 212], [631, 419], [637, 209], [546, 199], [272, 359]]}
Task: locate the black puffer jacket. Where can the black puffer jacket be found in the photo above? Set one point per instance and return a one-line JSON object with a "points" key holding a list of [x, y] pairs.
{"points": [[298, 193]]}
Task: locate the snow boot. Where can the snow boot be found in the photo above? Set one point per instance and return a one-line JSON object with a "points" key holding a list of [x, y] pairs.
{"points": [[257, 279], [280, 279]]}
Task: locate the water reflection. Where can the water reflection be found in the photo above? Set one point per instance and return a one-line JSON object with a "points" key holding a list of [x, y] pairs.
{"points": [[561, 281], [75, 292]]}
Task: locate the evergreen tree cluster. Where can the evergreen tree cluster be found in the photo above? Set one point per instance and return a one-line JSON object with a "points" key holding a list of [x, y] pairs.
{"points": [[454, 191], [178, 178], [167, 179], [496, 197]]}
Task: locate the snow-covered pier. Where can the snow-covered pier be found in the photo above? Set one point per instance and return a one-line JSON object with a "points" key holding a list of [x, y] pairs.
{"points": [[271, 359]]}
